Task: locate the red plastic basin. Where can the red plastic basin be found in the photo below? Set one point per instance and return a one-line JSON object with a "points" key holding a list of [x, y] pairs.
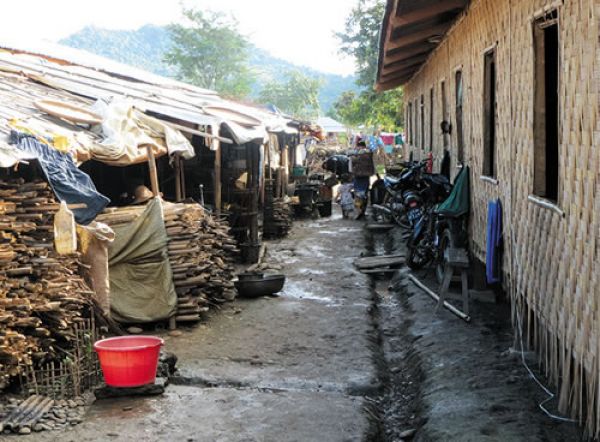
{"points": [[129, 361]]}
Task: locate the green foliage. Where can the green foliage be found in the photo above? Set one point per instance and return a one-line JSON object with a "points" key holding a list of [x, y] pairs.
{"points": [[297, 95], [211, 53], [370, 109], [360, 39]]}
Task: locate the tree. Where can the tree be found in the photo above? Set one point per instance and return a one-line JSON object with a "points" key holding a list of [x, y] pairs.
{"points": [[210, 53], [360, 40], [298, 95]]}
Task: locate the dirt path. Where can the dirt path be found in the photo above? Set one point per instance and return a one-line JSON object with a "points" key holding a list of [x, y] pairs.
{"points": [[292, 368], [336, 357]]}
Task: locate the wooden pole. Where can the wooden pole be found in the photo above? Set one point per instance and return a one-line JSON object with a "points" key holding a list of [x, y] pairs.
{"points": [[182, 179], [152, 169], [156, 192], [177, 163], [199, 133], [285, 174], [216, 147], [254, 185], [462, 315], [262, 172]]}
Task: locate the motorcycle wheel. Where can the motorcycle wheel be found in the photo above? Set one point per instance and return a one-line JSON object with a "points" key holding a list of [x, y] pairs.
{"points": [[418, 256], [380, 216], [403, 221], [445, 243]]}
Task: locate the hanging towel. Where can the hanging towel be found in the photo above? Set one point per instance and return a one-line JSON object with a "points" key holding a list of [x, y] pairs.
{"points": [[68, 182], [493, 264], [458, 202]]}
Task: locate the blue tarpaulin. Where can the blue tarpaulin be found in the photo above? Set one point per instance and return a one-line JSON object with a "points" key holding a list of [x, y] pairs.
{"points": [[68, 182]]}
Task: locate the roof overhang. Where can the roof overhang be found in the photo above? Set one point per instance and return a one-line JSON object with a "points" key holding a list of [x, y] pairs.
{"points": [[410, 31]]}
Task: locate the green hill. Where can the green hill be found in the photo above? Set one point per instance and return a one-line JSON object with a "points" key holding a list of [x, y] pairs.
{"points": [[144, 48]]}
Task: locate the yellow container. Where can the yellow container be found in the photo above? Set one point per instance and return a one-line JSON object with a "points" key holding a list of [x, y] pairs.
{"points": [[65, 232]]}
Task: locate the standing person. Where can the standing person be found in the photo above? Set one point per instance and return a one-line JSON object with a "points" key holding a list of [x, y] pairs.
{"points": [[361, 189], [344, 196]]}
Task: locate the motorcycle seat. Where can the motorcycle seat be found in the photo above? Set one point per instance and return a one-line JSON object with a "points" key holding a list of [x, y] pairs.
{"points": [[448, 213], [391, 181]]}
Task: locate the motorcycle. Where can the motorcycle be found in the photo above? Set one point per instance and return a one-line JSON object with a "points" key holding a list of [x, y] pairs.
{"points": [[407, 195], [401, 197], [440, 227]]}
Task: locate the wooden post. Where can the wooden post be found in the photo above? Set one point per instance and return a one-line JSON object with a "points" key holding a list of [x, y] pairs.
{"points": [[152, 169], [177, 163], [156, 192], [254, 155], [262, 171], [182, 179], [216, 147], [285, 178]]}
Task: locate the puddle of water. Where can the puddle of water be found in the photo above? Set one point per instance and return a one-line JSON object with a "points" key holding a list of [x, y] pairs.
{"points": [[310, 271], [313, 251], [297, 290], [336, 232]]}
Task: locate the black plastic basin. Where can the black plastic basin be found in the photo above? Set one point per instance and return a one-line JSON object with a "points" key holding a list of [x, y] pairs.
{"points": [[253, 288]]}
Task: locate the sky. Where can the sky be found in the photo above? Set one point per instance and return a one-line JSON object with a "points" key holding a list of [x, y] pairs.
{"points": [[298, 31]]}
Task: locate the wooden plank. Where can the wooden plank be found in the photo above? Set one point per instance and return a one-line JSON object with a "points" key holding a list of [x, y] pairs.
{"points": [[380, 261], [378, 270], [418, 36], [391, 69]]}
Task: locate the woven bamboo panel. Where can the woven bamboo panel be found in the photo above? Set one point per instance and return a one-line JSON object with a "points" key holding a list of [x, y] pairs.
{"points": [[552, 257]]}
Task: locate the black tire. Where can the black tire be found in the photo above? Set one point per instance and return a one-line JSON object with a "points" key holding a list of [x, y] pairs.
{"points": [[445, 242], [418, 256], [325, 209], [403, 221], [379, 216]]}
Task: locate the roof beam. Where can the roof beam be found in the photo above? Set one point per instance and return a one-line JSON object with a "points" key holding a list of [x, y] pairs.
{"points": [[399, 74], [426, 12], [391, 84], [408, 53], [395, 67], [418, 36]]}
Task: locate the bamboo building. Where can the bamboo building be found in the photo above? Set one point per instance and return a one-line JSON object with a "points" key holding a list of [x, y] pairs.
{"points": [[516, 85]]}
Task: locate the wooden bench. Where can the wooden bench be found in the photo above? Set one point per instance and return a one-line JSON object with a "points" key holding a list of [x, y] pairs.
{"points": [[455, 260]]}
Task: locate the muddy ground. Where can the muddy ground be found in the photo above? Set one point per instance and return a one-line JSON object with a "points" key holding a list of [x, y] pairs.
{"points": [[335, 357]]}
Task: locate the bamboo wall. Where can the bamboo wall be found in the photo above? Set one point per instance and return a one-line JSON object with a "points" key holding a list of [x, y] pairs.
{"points": [[552, 255]]}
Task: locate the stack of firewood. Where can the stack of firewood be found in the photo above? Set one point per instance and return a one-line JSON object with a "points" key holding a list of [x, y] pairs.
{"points": [[201, 253], [41, 293], [277, 219]]}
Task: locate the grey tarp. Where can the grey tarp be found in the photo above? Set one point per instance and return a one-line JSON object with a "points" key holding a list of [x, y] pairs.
{"points": [[141, 280]]}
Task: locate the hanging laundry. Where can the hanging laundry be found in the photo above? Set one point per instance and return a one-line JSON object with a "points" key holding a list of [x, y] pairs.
{"points": [[493, 258]]}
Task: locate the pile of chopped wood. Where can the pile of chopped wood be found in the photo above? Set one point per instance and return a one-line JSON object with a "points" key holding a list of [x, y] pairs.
{"points": [[201, 253], [277, 218], [41, 294]]}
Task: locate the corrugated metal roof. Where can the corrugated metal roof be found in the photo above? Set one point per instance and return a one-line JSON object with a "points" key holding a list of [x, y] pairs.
{"points": [[89, 60], [154, 93]]}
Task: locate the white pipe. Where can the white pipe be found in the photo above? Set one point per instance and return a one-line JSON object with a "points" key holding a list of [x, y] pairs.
{"points": [[435, 296]]}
